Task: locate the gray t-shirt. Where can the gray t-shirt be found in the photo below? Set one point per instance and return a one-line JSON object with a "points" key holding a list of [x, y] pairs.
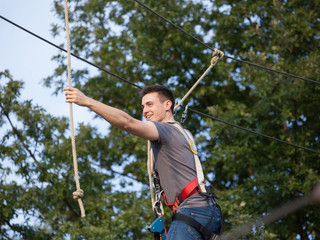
{"points": [[175, 164]]}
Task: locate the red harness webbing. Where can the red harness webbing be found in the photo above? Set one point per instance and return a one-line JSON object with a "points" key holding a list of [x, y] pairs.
{"points": [[191, 188]]}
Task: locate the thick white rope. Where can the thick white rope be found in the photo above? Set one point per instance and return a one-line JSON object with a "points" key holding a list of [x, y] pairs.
{"points": [[150, 171], [78, 194], [216, 55]]}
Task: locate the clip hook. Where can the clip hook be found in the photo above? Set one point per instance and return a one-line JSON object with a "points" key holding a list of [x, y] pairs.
{"points": [[184, 115]]}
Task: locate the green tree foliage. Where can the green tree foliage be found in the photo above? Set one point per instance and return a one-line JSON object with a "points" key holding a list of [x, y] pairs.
{"points": [[36, 151], [252, 175]]}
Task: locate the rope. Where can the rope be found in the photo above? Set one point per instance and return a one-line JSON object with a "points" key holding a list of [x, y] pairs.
{"points": [[78, 194], [216, 55], [232, 58], [150, 171]]}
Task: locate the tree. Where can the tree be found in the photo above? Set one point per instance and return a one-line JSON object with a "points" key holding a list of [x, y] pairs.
{"points": [[252, 175], [37, 146]]}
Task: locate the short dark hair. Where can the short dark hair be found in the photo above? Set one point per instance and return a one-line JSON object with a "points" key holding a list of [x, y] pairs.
{"points": [[164, 93]]}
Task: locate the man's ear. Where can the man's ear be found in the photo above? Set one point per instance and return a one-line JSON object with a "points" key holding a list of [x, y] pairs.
{"points": [[168, 104]]}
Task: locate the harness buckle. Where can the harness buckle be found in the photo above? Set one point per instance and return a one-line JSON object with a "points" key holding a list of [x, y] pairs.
{"points": [[208, 193]]}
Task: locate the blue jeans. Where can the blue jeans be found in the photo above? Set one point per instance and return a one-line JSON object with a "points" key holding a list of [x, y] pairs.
{"points": [[182, 231]]}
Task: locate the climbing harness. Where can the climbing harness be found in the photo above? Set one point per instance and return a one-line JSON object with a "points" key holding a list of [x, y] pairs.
{"points": [[196, 186], [78, 194], [191, 188]]}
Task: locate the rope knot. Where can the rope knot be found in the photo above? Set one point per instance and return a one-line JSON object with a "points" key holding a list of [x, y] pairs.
{"points": [[78, 194], [216, 55]]}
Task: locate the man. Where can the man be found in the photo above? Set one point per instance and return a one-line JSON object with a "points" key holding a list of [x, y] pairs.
{"points": [[174, 161]]}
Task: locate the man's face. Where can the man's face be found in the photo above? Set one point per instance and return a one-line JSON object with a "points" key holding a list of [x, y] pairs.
{"points": [[153, 108]]}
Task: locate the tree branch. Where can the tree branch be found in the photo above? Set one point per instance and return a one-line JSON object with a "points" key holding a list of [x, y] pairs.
{"points": [[20, 138]]}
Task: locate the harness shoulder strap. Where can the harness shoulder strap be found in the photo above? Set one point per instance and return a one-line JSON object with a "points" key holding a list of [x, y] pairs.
{"points": [[188, 136]]}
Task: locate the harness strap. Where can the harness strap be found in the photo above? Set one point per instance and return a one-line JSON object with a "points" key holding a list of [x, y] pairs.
{"points": [[197, 185], [198, 226], [191, 188], [188, 136]]}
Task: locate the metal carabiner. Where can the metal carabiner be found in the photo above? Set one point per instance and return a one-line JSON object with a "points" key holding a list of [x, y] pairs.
{"points": [[157, 206], [184, 115]]}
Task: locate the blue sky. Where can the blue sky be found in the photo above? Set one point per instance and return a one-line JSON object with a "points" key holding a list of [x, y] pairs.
{"points": [[29, 59]]}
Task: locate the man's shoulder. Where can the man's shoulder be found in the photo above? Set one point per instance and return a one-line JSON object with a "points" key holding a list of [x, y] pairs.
{"points": [[166, 130], [168, 124]]}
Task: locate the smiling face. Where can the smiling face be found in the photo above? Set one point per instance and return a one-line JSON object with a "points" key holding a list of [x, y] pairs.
{"points": [[154, 109]]}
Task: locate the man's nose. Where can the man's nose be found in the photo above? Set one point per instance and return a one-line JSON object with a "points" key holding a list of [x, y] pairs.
{"points": [[145, 109]]}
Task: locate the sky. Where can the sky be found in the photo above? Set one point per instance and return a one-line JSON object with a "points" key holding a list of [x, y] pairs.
{"points": [[29, 59]]}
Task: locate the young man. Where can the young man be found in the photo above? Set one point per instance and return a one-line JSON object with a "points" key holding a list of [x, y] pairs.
{"points": [[174, 161]]}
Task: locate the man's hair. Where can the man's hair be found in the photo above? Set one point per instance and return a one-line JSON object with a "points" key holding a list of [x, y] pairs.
{"points": [[164, 93]]}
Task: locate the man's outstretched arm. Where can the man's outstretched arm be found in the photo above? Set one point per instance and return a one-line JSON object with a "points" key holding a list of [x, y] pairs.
{"points": [[117, 118]]}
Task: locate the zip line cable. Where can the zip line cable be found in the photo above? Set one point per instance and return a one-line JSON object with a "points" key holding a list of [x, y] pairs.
{"points": [[134, 84], [212, 49], [254, 132], [204, 44], [74, 55], [137, 86]]}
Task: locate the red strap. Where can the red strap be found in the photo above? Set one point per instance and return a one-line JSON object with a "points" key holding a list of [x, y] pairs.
{"points": [[176, 202], [188, 190]]}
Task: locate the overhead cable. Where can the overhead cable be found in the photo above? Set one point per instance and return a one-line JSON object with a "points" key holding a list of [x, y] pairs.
{"points": [[137, 86], [212, 49], [74, 55], [254, 132], [122, 79]]}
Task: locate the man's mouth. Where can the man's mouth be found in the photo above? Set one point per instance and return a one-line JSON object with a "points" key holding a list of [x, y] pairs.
{"points": [[148, 116]]}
